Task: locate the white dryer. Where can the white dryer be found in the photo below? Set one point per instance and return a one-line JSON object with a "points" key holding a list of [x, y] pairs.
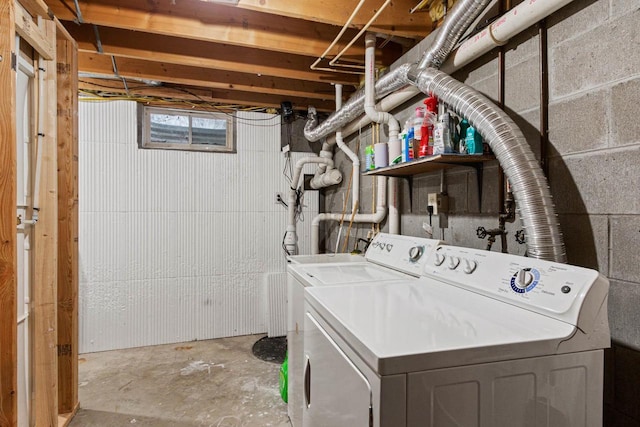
{"points": [[482, 339], [389, 259]]}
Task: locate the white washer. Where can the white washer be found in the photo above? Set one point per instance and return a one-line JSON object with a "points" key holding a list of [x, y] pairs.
{"points": [[483, 339], [389, 259]]}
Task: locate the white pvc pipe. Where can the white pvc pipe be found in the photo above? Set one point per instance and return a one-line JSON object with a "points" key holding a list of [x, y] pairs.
{"points": [[515, 21], [375, 218], [370, 88], [291, 236], [355, 174], [499, 32], [394, 213]]}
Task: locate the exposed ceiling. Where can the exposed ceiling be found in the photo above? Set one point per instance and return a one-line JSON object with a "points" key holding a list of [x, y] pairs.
{"points": [[256, 53]]}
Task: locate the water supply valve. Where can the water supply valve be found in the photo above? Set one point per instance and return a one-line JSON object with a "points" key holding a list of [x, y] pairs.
{"points": [[521, 237]]}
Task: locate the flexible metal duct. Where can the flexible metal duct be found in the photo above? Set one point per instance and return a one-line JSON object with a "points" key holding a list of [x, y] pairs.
{"points": [[528, 183], [461, 16]]}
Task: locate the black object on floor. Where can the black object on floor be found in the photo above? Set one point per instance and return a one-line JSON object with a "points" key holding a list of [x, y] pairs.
{"points": [[270, 349]]}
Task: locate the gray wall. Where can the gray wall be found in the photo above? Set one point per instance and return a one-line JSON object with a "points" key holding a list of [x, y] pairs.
{"points": [[594, 154]]}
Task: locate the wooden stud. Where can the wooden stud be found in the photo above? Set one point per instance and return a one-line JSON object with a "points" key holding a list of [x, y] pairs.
{"points": [[8, 223], [44, 306], [174, 50], [207, 21], [33, 34], [203, 77], [37, 8], [67, 68]]}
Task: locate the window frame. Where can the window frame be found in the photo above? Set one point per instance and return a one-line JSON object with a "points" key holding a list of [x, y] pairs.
{"points": [[144, 130]]}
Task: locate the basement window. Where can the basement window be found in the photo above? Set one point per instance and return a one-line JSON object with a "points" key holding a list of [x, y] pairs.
{"points": [[175, 129]]}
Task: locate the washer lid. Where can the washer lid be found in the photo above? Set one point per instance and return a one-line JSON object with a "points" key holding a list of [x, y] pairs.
{"points": [[407, 327], [345, 273]]}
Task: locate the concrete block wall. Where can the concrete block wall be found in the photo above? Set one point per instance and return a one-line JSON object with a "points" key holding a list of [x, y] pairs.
{"points": [[593, 158]]}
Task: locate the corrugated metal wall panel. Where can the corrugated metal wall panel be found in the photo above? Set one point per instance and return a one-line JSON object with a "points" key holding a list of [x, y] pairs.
{"points": [[176, 246]]}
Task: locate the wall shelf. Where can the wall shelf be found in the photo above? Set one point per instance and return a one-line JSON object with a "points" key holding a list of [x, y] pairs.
{"points": [[431, 164]]}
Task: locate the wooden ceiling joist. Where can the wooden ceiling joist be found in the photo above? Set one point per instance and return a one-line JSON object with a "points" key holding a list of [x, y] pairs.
{"points": [[197, 94], [204, 77], [206, 21], [178, 51], [395, 20]]}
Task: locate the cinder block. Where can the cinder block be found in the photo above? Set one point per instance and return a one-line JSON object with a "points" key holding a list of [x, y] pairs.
{"points": [[605, 54], [621, 7], [522, 47], [488, 87], [579, 124], [624, 316], [456, 187], [597, 183], [522, 86], [586, 238], [529, 124], [625, 123], [576, 18], [625, 247], [480, 69]]}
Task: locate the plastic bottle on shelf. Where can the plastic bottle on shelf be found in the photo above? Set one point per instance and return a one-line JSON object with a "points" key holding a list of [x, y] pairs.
{"points": [[464, 125], [430, 120], [404, 139], [417, 130], [410, 140], [368, 156], [473, 141]]}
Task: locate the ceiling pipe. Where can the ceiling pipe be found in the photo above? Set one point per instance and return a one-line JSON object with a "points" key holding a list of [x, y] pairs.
{"points": [[513, 22]]}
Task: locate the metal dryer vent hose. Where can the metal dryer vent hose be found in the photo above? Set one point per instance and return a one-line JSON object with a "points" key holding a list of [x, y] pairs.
{"points": [[528, 183]]}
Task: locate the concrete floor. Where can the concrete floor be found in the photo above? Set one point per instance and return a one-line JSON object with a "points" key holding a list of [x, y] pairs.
{"points": [[216, 383]]}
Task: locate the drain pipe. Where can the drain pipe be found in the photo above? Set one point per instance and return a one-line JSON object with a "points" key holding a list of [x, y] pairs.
{"points": [[355, 174], [376, 218], [325, 175], [499, 33], [381, 117], [291, 237]]}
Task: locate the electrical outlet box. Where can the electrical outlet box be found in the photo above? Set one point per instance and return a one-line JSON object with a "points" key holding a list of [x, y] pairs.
{"points": [[439, 202], [286, 150]]}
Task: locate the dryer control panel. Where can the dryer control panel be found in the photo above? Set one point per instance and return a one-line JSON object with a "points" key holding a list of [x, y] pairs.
{"points": [[403, 253], [553, 289]]}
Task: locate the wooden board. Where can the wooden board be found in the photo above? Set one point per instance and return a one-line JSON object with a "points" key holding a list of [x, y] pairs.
{"points": [[8, 254], [44, 306], [33, 34], [67, 67], [37, 8], [431, 164]]}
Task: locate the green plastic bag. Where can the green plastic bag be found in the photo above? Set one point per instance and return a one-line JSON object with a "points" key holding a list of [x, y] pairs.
{"points": [[284, 368]]}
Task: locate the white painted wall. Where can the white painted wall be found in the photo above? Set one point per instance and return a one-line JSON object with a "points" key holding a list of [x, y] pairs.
{"points": [[176, 246]]}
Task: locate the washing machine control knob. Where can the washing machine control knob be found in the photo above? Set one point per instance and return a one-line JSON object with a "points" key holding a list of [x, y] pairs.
{"points": [[439, 259], [469, 266], [454, 262], [523, 279], [415, 253]]}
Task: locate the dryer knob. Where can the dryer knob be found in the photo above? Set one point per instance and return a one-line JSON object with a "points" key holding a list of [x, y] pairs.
{"points": [[454, 262], [439, 259], [523, 279], [415, 253]]}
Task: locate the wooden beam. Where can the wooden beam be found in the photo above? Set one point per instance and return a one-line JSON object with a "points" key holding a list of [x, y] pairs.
{"points": [[179, 51], [203, 77], [28, 30], [196, 94], [67, 99], [206, 21], [394, 20], [8, 255], [37, 8], [45, 263]]}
